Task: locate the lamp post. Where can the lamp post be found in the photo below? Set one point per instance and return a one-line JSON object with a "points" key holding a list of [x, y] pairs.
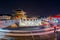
{"points": [[55, 33]]}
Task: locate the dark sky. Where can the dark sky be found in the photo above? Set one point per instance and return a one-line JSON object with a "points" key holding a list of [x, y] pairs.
{"points": [[32, 7]]}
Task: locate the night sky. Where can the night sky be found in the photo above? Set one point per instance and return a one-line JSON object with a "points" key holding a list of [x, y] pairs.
{"points": [[32, 7]]}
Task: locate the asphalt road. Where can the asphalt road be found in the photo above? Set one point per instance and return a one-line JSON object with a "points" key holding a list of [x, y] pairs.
{"points": [[49, 36], [37, 37]]}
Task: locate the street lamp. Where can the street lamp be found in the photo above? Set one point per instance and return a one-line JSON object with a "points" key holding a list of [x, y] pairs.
{"points": [[55, 33]]}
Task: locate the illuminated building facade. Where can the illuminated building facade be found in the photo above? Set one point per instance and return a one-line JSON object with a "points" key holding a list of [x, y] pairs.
{"points": [[25, 21], [5, 17], [21, 20], [20, 14], [29, 22]]}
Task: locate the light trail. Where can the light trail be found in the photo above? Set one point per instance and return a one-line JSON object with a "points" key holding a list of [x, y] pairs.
{"points": [[25, 33], [30, 34]]}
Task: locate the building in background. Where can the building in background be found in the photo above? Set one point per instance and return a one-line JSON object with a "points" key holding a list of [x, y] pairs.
{"points": [[5, 17], [20, 14]]}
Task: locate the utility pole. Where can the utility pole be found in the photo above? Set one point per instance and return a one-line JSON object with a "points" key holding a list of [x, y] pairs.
{"points": [[55, 33]]}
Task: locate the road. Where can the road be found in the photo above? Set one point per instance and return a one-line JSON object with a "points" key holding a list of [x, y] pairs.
{"points": [[31, 33]]}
